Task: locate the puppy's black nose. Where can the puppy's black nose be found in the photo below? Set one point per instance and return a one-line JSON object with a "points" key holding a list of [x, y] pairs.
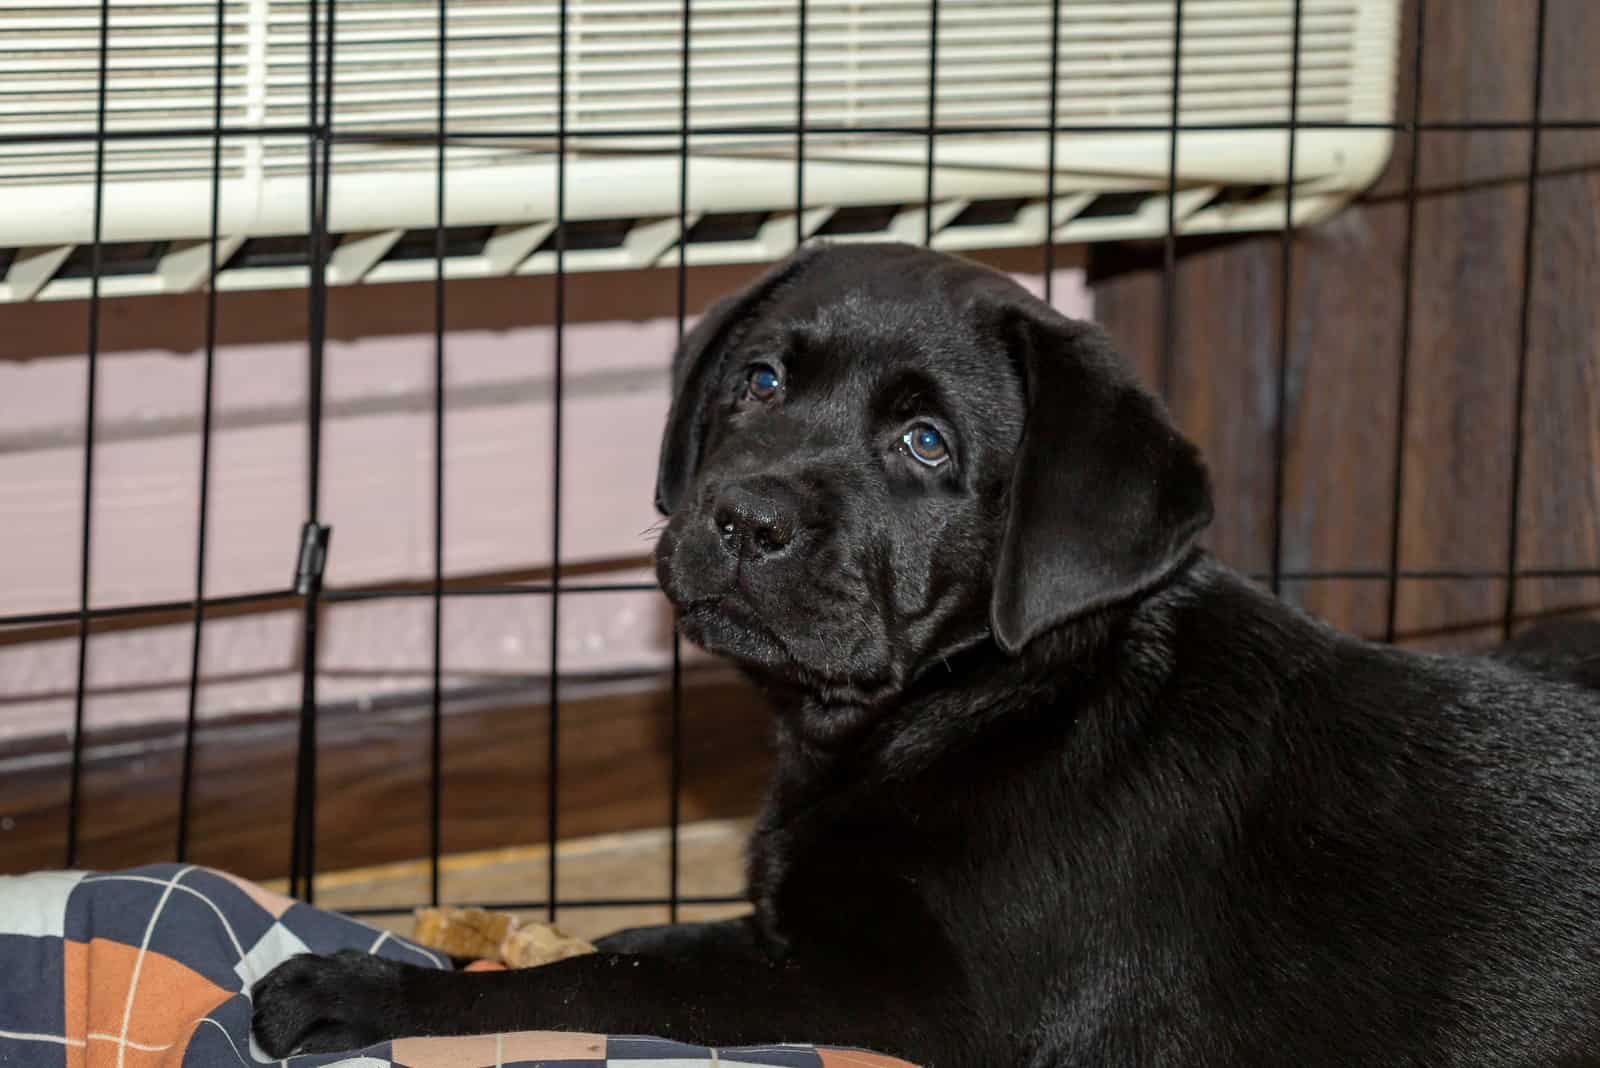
{"points": [[755, 517]]}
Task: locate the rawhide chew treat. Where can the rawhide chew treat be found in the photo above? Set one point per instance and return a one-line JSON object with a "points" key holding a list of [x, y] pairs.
{"points": [[482, 934]]}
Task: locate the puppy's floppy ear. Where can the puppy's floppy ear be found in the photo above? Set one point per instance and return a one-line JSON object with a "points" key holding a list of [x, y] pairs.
{"points": [[1106, 496], [697, 367]]}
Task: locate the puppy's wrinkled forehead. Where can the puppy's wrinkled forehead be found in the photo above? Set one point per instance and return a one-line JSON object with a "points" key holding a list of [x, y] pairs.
{"points": [[887, 341]]}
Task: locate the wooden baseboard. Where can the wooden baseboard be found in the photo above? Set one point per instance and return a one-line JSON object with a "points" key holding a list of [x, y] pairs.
{"points": [[373, 776]]}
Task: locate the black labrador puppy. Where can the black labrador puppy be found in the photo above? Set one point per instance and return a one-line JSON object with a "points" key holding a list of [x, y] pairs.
{"points": [[1054, 787]]}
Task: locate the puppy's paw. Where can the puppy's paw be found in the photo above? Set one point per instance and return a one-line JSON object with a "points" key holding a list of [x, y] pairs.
{"points": [[312, 1004]]}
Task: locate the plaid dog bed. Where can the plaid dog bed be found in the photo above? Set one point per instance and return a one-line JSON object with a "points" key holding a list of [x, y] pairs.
{"points": [[152, 968]]}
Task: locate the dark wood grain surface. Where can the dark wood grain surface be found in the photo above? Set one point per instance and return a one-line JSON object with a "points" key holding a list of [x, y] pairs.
{"points": [[1348, 296], [373, 775]]}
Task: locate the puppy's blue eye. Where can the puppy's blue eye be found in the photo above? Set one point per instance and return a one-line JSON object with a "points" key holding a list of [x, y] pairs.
{"points": [[763, 382], [926, 445]]}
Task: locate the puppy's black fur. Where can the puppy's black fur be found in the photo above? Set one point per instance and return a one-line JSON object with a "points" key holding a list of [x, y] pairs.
{"points": [[1054, 786]]}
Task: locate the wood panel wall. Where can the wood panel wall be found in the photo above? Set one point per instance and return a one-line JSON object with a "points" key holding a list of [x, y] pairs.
{"points": [[1348, 294]]}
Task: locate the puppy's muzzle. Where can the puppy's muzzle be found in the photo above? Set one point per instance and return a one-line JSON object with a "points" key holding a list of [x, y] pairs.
{"points": [[756, 518]]}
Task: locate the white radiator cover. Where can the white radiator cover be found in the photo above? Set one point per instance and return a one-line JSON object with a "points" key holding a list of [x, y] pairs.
{"points": [[866, 69]]}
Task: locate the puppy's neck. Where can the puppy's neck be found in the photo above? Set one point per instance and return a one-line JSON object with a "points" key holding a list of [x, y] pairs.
{"points": [[1115, 658]]}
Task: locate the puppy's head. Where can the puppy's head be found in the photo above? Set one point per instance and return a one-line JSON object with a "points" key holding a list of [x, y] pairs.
{"points": [[878, 455]]}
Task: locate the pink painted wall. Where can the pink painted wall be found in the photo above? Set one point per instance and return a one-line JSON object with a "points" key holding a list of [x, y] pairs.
{"points": [[377, 492]]}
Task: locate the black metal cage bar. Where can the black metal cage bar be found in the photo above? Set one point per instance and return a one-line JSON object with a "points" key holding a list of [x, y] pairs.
{"points": [[1519, 394], [1391, 606], [1169, 240], [314, 538], [202, 513], [681, 311], [553, 704], [307, 594], [436, 691], [428, 135], [1280, 423], [92, 353]]}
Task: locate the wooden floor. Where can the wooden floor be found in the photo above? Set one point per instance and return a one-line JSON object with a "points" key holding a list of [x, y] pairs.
{"points": [[373, 775], [631, 864]]}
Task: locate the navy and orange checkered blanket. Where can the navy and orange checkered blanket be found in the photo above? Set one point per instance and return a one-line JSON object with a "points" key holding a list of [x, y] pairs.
{"points": [[152, 968]]}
